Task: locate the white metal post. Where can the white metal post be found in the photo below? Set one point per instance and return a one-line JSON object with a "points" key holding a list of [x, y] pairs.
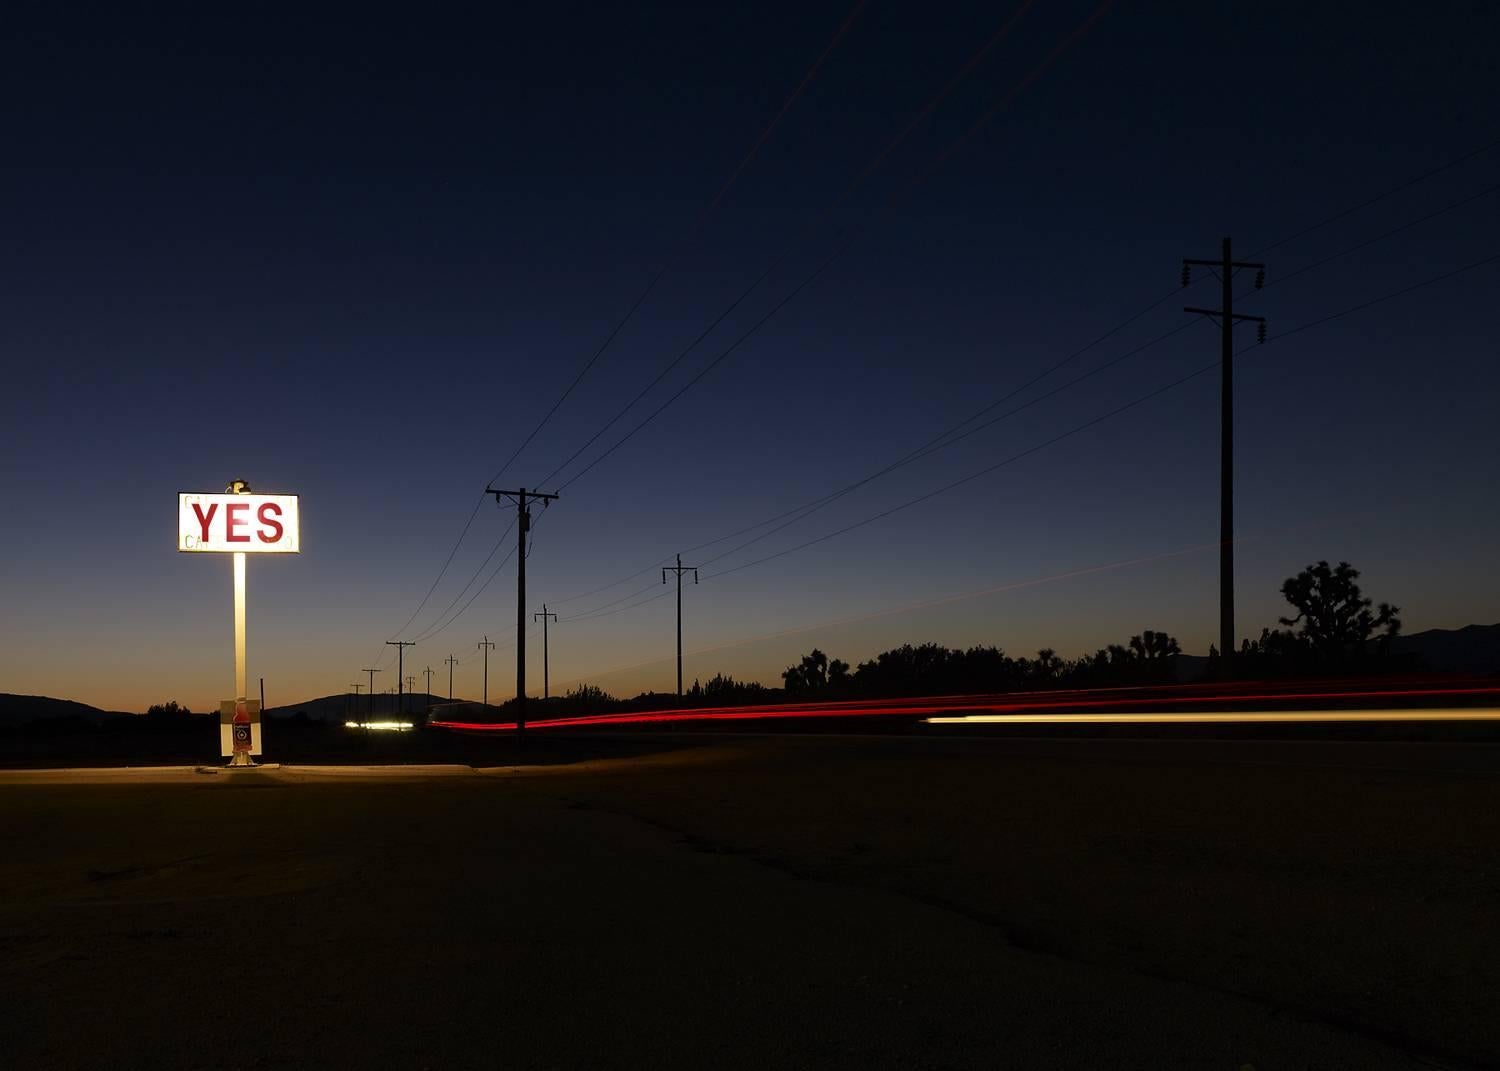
{"points": [[241, 681]]}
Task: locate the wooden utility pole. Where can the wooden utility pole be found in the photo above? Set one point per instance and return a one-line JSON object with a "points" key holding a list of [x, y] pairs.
{"points": [[679, 569], [371, 712], [401, 646], [451, 663], [428, 708], [1226, 266], [486, 646], [522, 498], [546, 658]]}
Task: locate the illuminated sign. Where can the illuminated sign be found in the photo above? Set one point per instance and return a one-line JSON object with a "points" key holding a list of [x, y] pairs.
{"points": [[239, 727], [251, 524]]}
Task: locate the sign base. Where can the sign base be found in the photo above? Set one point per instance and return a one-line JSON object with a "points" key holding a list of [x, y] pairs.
{"points": [[239, 729]]}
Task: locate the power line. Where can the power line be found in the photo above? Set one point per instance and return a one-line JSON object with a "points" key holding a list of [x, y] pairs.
{"points": [[1406, 185], [1282, 278], [433, 629], [1075, 430], [1107, 415], [954, 433], [995, 39], [1030, 77], [827, 210], [645, 293]]}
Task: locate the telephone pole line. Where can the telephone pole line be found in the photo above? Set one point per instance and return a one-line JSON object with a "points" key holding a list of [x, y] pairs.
{"points": [[1226, 266], [451, 663], [354, 706], [521, 497], [679, 569], [484, 645], [401, 646], [428, 708], [546, 668], [370, 713]]}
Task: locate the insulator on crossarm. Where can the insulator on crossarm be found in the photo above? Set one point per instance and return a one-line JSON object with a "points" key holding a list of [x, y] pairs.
{"points": [[1260, 331], [1187, 275], [1260, 279]]}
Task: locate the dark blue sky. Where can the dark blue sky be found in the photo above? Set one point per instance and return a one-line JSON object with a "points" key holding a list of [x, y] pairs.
{"points": [[357, 256]]}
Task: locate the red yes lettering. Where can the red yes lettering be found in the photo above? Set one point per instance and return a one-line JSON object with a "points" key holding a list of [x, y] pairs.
{"points": [[270, 507], [232, 522], [205, 520]]}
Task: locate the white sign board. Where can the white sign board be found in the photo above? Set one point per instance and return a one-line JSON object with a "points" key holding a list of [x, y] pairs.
{"points": [[254, 524]]}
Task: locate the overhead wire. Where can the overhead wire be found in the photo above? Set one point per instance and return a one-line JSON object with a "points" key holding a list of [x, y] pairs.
{"points": [[954, 433], [755, 148]]}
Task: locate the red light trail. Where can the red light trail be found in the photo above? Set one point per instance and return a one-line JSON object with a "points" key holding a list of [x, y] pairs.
{"points": [[1099, 706]]}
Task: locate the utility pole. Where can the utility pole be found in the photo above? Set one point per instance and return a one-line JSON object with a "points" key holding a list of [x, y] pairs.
{"points": [[484, 645], [679, 569], [1226, 266], [353, 711], [428, 672], [371, 712], [401, 646], [451, 663], [546, 667], [521, 498], [411, 686]]}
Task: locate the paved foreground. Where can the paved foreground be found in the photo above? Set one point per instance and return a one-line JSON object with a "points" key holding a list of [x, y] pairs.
{"points": [[761, 902]]}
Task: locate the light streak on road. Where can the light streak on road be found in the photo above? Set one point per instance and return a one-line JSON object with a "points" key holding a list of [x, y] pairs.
{"points": [[380, 726], [1234, 717], [1103, 706]]}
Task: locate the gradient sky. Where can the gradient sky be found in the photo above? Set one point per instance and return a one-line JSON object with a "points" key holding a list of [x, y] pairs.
{"points": [[358, 258]]}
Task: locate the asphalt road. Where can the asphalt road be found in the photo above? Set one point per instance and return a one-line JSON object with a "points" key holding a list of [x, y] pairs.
{"points": [[766, 902]]}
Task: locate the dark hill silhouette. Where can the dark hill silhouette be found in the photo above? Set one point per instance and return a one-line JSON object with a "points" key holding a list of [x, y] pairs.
{"points": [[336, 707], [1472, 649], [24, 709]]}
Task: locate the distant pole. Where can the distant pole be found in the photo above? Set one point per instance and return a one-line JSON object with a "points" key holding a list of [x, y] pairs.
{"points": [[451, 663], [1226, 266], [371, 672], [411, 686], [521, 497], [354, 706], [546, 658], [401, 646], [679, 569], [486, 646], [428, 672], [262, 695]]}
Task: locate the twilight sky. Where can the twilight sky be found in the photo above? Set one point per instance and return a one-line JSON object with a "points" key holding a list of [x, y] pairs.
{"points": [[358, 257]]}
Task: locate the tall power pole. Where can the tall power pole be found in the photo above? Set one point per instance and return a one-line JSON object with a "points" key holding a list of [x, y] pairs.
{"points": [[484, 645], [1226, 266], [679, 569], [401, 646], [546, 666], [371, 712], [428, 672], [451, 663], [522, 498]]}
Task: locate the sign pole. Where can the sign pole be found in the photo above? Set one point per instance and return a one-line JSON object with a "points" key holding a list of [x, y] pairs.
{"points": [[241, 680], [239, 522]]}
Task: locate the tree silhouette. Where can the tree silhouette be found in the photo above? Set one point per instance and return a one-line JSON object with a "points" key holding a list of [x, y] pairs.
{"points": [[1154, 646], [169, 709], [815, 673], [1334, 614]]}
